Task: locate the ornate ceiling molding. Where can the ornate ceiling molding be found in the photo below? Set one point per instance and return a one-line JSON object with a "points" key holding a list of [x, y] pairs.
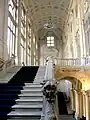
{"points": [[41, 11]]}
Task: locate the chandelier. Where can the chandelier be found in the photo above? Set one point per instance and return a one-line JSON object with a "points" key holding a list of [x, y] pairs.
{"points": [[49, 25]]}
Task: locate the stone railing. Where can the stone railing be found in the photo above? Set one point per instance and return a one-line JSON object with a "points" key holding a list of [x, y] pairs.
{"points": [[72, 62], [7, 64], [1, 64]]}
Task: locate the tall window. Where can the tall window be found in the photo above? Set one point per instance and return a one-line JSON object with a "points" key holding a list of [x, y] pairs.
{"points": [[50, 41], [23, 35], [12, 26]]}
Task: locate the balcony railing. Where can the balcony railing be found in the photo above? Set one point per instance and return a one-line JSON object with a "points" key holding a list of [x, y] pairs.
{"points": [[72, 62]]}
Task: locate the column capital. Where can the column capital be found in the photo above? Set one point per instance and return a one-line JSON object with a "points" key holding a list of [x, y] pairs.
{"points": [[87, 93]]}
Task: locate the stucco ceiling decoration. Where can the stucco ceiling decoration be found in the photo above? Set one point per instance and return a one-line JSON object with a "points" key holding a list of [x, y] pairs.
{"points": [[43, 11]]}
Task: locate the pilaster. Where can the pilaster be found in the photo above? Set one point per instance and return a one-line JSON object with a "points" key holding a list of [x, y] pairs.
{"points": [[19, 33]]}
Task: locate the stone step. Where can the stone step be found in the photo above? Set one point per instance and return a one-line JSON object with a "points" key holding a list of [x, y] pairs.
{"points": [[31, 91], [34, 83], [24, 118], [26, 107], [32, 86], [31, 95], [30, 100], [25, 114]]}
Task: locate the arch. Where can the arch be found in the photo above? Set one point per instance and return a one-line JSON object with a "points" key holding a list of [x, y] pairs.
{"points": [[76, 84], [80, 80], [71, 79]]}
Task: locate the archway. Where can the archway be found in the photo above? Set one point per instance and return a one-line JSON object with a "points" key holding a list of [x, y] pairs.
{"points": [[72, 97]]}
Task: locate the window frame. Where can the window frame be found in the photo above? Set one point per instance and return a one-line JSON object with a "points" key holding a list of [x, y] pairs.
{"points": [[50, 41]]}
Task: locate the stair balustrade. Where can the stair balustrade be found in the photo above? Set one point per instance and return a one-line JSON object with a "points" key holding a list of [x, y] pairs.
{"points": [[49, 110], [5, 65], [72, 61], [1, 64]]}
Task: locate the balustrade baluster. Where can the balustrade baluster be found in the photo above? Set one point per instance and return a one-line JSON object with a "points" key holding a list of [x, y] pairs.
{"points": [[72, 62]]}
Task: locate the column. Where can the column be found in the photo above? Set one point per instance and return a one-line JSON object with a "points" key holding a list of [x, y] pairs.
{"points": [[81, 35], [32, 48], [19, 33], [72, 99], [38, 53], [87, 115], [26, 39], [80, 104], [38, 48], [84, 104], [87, 105], [77, 102], [57, 108]]}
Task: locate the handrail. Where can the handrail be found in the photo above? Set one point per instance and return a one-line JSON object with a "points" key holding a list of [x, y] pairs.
{"points": [[48, 101], [1, 60], [1, 64], [7, 64]]}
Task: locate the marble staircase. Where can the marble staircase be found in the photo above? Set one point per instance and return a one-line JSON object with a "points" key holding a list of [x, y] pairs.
{"points": [[20, 92], [29, 103], [30, 100]]}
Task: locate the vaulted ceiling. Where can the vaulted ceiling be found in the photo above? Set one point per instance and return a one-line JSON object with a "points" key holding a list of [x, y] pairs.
{"points": [[43, 11]]}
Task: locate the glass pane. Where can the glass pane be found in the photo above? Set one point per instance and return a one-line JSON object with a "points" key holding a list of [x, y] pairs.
{"points": [[9, 21], [13, 44], [10, 9], [13, 29], [48, 38], [52, 41], [52, 38], [48, 45], [48, 41], [52, 44], [11, 26], [8, 40], [21, 54], [33, 39]]}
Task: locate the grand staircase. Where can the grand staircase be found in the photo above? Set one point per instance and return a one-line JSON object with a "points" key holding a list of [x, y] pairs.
{"points": [[29, 103], [21, 98]]}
